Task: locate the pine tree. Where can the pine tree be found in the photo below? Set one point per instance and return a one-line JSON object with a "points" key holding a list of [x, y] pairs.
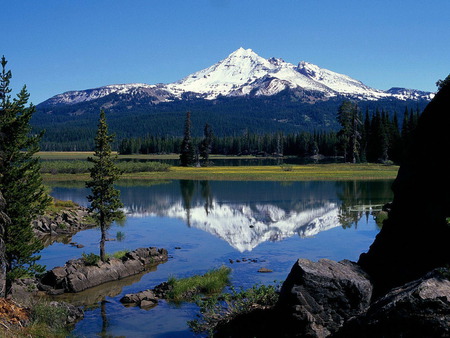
{"points": [[349, 135], [206, 144], [20, 182], [187, 156], [104, 198]]}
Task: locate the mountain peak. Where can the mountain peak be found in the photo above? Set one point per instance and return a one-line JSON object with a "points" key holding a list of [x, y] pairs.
{"points": [[243, 52], [243, 73]]}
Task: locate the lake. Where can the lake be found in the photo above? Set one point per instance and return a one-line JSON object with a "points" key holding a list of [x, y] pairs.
{"points": [[206, 224]]}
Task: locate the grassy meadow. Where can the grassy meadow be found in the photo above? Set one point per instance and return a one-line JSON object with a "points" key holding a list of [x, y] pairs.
{"points": [[72, 166]]}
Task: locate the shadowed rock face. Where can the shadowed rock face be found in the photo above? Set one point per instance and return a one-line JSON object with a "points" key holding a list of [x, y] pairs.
{"points": [[415, 238], [420, 308], [318, 297]]}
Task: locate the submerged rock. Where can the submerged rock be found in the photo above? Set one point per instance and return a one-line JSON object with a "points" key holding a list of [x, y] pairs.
{"points": [[76, 275]]}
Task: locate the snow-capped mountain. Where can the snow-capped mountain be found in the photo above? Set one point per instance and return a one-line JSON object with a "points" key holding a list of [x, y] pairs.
{"points": [[244, 227], [245, 73]]}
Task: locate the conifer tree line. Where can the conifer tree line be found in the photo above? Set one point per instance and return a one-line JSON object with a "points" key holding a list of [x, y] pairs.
{"points": [[363, 137], [376, 137]]}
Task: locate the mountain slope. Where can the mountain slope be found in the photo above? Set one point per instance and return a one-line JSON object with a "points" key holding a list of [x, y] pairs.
{"points": [[242, 93], [245, 73]]}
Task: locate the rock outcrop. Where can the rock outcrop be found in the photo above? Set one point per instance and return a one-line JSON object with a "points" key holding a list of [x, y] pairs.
{"points": [[318, 297], [420, 308], [414, 239], [65, 222], [76, 275]]}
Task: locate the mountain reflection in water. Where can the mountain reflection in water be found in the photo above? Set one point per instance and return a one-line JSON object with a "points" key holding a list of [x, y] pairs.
{"points": [[245, 215]]}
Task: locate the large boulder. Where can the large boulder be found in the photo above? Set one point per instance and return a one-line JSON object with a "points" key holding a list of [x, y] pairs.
{"points": [[417, 309], [318, 297], [76, 275]]}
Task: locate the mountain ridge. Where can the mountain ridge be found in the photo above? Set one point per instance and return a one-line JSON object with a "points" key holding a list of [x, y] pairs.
{"points": [[244, 73]]}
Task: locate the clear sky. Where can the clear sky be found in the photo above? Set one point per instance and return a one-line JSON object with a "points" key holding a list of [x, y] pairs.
{"points": [[55, 46]]}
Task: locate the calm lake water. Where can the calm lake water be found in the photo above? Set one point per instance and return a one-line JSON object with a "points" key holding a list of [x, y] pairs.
{"points": [[207, 224]]}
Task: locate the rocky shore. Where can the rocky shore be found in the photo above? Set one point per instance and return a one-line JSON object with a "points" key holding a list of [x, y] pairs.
{"points": [[77, 275], [65, 222]]}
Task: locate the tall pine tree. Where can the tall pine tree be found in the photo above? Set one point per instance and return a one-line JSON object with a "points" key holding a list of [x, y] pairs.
{"points": [[20, 182], [206, 144], [187, 156], [104, 198]]}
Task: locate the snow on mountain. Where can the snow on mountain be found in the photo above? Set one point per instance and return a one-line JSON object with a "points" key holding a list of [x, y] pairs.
{"points": [[244, 73], [133, 89]]}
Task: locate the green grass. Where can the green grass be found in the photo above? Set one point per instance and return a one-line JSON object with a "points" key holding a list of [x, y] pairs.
{"points": [[344, 171], [57, 206], [83, 166], [118, 254], [211, 282]]}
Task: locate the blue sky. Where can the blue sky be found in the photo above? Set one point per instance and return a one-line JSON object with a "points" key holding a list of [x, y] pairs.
{"points": [[61, 45]]}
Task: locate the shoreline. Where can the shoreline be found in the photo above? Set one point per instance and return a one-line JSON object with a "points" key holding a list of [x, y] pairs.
{"points": [[307, 172]]}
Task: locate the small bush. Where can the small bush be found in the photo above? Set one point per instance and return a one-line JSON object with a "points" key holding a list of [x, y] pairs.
{"points": [[223, 308], [90, 259], [380, 217], [46, 320]]}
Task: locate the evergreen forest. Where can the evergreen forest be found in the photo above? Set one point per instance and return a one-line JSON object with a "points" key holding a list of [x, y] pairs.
{"points": [[381, 138]]}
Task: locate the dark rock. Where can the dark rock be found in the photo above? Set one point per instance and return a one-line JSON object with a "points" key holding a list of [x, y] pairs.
{"points": [[414, 239], [76, 276], [147, 296], [318, 297], [417, 309], [161, 290]]}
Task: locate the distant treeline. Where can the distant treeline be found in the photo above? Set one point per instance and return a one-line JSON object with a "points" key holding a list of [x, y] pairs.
{"points": [[381, 139]]}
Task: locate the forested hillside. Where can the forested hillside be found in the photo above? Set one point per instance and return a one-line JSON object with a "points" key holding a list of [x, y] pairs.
{"points": [[72, 127]]}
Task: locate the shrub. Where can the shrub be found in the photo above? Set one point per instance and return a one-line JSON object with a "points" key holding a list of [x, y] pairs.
{"points": [[90, 259], [223, 308]]}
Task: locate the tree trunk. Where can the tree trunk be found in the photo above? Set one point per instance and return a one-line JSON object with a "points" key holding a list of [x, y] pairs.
{"points": [[103, 238], [8, 281]]}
